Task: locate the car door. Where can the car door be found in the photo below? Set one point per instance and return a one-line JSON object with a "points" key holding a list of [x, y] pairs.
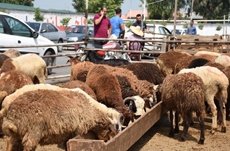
{"points": [[49, 31], [16, 33]]}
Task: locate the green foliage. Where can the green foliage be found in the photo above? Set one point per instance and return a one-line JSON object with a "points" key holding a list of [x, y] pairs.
{"points": [[185, 25], [19, 2], [128, 24], [212, 9], [200, 26], [65, 21], [164, 23], [95, 5], [218, 28], [163, 9], [37, 15], [90, 21]]}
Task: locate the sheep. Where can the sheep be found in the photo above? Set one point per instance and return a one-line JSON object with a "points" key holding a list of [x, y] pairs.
{"points": [[31, 64], [78, 84], [223, 60], [184, 62], [167, 61], [184, 93], [52, 117], [12, 80], [12, 53], [93, 57], [3, 57], [207, 55], [216, 84], [146, 71], [80, 70], [197, 62], [107, 90]]}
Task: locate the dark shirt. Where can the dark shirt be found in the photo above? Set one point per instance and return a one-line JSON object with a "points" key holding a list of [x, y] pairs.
{"points": [[101, 29], [139, 24]]}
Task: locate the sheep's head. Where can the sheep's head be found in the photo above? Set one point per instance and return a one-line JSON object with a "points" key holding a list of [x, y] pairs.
{"points": [[73, 60]]}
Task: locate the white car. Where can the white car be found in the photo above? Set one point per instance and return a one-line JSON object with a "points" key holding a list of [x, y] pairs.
{"points": [[16, 33]]}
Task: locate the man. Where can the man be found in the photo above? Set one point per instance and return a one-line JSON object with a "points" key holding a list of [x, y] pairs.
{"points": [[191, 29], [139, 22], [102, 27], [117, 23]]}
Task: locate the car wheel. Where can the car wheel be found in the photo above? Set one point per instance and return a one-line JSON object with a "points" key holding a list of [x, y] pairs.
{"points": [[60, 48], [49, 61]]}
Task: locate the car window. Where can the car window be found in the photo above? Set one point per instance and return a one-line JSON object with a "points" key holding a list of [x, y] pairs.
{"points": [[51, 28], [35, 26], [162, 31], [1, 27], [17, 27], [151, 28], [44, 27], [167, 32]]}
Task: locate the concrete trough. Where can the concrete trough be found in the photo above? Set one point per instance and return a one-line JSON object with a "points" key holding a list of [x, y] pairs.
{"points": [[125, 139]]}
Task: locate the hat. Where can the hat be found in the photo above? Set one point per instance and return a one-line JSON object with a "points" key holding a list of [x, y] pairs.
{"points": [[137, 30]]}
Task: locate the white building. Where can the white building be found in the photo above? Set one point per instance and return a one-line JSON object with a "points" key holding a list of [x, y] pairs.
{"points": [[26, 13]]}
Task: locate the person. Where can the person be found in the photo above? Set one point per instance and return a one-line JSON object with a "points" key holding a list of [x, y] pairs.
{"points": [[139, 23], [117, 23], [191, 30], [137, 34], [102, 27]]}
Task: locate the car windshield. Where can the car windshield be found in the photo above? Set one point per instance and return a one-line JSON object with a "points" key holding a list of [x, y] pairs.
{"points": [[76, 29], [35, 26]]}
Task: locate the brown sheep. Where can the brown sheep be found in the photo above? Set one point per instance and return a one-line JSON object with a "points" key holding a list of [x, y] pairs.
{"points": [[78, 84], [53, 117], [146, 71], [184, 93], [11, 81], [167, 61], [107, 89], [3, 57]]}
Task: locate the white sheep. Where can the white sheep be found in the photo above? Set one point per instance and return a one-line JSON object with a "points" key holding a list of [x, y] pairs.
{"points": [[223, 60], [216, 85], [31, 64]]}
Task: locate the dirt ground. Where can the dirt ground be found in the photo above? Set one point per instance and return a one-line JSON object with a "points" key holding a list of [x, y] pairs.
{"points": [[156, 139]]}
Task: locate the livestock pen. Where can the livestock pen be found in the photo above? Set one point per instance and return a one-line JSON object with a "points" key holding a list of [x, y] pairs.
{"points": [[127, 138]]}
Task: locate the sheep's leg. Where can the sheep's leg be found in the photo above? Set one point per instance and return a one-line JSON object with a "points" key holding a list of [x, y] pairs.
{"points": [[31, 140], [176, 130], [222, 109], [214, 114], [187, 120], [200, 116], [14, 144], [171, 132]]}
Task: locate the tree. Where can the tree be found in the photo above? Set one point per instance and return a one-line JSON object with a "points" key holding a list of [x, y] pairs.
{"points": [[19, 2], [37, 15], [95, 5], [65, 21], [212, 9], [163, 9]]}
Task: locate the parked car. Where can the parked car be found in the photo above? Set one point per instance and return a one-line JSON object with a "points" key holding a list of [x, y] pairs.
{"points": [[78, 32], [49, 31], [14, 32], [179, 31]]}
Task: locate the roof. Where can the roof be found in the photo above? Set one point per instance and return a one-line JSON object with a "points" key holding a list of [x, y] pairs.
{"points": [[133, 13], [6, 6]]}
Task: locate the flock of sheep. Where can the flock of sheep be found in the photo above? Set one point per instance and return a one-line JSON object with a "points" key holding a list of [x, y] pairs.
{"points": [[101, 100]]}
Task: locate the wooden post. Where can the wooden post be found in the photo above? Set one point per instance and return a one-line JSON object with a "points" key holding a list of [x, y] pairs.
{"points": [[86, 23], [175, 14]]}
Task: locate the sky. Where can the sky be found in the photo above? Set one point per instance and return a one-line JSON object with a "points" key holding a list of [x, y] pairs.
{"points": [[67, 4]]}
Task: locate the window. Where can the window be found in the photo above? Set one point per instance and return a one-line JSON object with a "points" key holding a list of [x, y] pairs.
{"points": [[51, 28], [17, 27], [1, 27]]}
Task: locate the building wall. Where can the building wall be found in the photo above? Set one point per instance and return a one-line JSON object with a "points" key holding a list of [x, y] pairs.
{"points": [[52, 17]]}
